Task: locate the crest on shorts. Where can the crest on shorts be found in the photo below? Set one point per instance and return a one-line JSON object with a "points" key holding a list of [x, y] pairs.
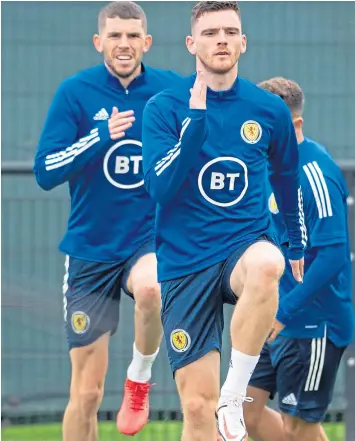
{"points": [[272, 204], [80, 322], [251, 132], [180, 340]]}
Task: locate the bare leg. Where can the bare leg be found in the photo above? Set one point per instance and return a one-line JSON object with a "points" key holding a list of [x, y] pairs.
{"points": [[142, 282], [255, 281], [89, 367], [263, 423], [297, 429], [198, 387]]}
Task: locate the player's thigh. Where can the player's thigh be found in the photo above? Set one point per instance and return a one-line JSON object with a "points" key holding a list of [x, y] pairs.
{"points": [[260, 259], [144, 272], [192, 316], [91, 300], [140, 276], [306, 374], [262, 387], [198, 384]]}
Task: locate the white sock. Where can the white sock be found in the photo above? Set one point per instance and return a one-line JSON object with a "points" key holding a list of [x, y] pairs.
{"points": [[140, 369], [240, 370]]}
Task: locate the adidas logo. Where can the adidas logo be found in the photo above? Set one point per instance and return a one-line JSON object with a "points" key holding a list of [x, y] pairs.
{"points": [[290, 400], [101, 115]]}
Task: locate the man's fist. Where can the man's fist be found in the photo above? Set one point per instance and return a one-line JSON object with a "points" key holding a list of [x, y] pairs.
{"points": [[198, 93]]}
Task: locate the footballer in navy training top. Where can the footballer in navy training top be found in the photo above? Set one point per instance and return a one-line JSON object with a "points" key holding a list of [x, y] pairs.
{"points": [[315, 319], [92, 141], [206, 149]]}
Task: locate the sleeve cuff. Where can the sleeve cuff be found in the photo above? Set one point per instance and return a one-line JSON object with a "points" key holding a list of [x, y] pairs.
{"points": [[282, 317], [197, 113], [295, 253], [104, 132]]}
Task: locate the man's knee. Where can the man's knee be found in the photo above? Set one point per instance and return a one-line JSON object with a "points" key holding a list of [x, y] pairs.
{"points": [[147, 296], [198, 386], [253, 410], [199, 408], [89, 367], [86, 395], [87, 400], [265, 261], [252, 416], [296, 429], [291, 432]]}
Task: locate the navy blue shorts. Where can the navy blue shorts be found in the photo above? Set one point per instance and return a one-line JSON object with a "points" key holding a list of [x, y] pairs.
{"points": [[302, 372], [192, 310], [92, 292]]}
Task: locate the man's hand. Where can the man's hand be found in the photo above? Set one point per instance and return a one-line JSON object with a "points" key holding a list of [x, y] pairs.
{"points": [[276, 329], [198, 93], [119, 123], [298, 269]]}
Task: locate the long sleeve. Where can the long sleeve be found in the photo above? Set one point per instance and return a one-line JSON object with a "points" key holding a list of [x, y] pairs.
{"points": [[333, 258], [60, 154], [167, 155], [325, 209], [285, 181]]}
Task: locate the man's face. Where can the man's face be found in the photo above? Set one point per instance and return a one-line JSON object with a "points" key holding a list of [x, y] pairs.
{"points": [[217, 40], [123, 43]]}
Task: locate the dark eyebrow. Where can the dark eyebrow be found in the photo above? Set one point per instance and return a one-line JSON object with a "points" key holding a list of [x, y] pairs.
{"points": [[232, 29], [114, 34], [206, 31], [118, 34], [213, 30]]}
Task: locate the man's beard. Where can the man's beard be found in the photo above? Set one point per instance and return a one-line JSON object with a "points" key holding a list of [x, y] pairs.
{"points": [[216, 71], [120, 74]]}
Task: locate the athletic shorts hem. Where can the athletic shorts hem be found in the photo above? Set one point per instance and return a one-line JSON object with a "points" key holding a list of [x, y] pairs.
{"points": [[91, 259], [78, 344], [304, 414], [118, 260], [257, 385], [194, 357]]}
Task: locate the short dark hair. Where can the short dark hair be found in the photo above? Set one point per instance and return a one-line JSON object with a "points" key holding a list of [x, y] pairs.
{"points": [[204, 7], [124, 10], [288, 90]]}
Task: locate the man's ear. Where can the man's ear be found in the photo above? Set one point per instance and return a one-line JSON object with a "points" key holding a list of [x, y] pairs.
{"points": [[190, 44], [147, 43], [297, 122], [97, 43]]}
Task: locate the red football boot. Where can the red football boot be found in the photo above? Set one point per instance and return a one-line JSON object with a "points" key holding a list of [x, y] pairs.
{"points": [[134, 412]]}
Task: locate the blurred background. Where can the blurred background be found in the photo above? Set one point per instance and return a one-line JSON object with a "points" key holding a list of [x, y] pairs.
{"points": [[312, 43]]}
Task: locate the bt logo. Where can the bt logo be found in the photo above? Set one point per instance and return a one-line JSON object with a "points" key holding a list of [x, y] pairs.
{"points": [[223, 181], [218, 180], [123, 164]]}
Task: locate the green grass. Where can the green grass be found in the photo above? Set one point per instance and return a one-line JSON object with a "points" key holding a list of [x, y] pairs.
{"points": [[154, 431]]}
